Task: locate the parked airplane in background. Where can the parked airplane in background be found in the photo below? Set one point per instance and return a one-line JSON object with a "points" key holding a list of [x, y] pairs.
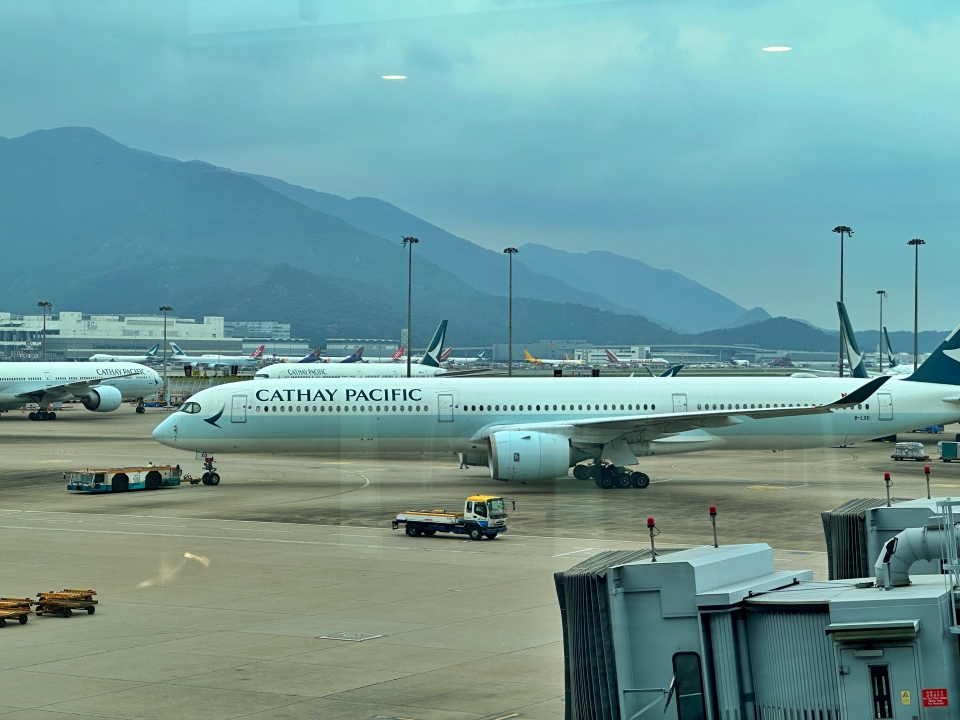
{"points": [[149, 356], [254, 359], [396, 357], [309, 358], [99, 387], [445, 357], [355, 357], [545, 361], [614, 360], [426, 367], [739, 363], [855, 357], [533, 429]]}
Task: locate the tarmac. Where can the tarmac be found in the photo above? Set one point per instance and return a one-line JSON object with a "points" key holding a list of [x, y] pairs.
{"points": [[283, 592]]}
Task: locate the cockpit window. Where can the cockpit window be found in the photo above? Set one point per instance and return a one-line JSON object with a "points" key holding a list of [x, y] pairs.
{"points": [[261, 376], [190, 407]]}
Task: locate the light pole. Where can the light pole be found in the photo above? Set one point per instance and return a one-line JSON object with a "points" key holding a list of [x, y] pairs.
{"points": [[842, 230], [882, 294], [43, 346], [916, 242], [510, 251], [166, 396], [409, 241]]}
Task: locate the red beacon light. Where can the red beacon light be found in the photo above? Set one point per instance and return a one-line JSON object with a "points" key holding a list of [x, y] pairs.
{"points": [[650, 522], [713, 510], [926, 469], [886, 476]]}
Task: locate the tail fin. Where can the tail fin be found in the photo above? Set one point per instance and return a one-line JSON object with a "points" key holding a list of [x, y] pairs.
{"points": [[432, 355], [481, 355], [611, 357], [312, 357], [890, 356], [176, 349], [943, 366], [672, 371], [850, 343], [153, 351], [258, 352], [357, 354], [528, 357], [445, 355], [398, 354]]}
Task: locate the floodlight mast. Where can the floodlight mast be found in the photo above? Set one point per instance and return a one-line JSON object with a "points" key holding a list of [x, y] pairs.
{"points": [[916, 242], [409, 241], [510, 251], [882, 294], [43, 340], [842, 230], [166, 394]]}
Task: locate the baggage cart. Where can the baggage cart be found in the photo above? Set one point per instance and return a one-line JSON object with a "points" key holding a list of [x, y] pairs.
{"points": [[65, 602]]}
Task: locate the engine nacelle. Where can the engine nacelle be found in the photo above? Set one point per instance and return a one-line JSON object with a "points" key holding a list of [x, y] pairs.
{"points": [[104, 398], [528, 455]]}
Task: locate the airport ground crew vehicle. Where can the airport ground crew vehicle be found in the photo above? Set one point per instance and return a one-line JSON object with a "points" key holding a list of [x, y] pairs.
{"points": [[65, 602], [15, 609], [483, 516], [149, 477]]}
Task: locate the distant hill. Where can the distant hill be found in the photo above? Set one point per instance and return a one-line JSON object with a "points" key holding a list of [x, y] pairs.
{"points": [[754, 315], [775, 334], [477, 266], [667, 296]]}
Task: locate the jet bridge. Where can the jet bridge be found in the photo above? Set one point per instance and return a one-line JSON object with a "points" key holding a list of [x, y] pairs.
{"points": [[716, 633]]}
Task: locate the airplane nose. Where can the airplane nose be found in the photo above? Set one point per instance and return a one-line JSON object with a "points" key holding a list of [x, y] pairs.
{"points": [[164, 432]]}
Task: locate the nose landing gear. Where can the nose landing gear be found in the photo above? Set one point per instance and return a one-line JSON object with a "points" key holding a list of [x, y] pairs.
{"points": [[608, 477], [140, 408], [210, 476]]}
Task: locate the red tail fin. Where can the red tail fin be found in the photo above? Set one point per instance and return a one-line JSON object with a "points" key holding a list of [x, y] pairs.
{"points": [[445, 355], [258, 352], [398, 354], [611, 357]]}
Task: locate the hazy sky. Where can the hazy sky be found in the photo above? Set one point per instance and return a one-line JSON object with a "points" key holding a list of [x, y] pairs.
{"points": [[659, 130]]}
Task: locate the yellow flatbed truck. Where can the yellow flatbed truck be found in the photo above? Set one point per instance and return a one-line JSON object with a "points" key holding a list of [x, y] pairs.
{"points": [[483, 516]]}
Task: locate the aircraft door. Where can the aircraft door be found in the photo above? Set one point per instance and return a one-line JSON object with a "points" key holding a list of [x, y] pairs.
{"points": [[679, 403], [238, 411], [879, 683], [48, 378], [445, 408], [886, 405]]}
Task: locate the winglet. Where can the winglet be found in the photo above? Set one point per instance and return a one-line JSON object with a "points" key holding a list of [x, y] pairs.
{"points": [[861, 394]]}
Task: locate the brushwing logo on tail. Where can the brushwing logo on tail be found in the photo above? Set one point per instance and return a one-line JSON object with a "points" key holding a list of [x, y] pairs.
{"points": [[953, 354], [431, 357]]}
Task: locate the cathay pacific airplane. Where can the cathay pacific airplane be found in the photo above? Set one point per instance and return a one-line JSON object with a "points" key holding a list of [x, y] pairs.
{"points": [[99, 387], [428, 366], [855, 357], [529, 429], [149, 356]]}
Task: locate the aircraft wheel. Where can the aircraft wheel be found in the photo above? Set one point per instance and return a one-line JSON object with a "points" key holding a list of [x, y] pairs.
{"points": [[205, 478], [31, 416], [581, 472], [639, 480], [141, 410], [214, 479], [622, 479], [51, 416], [43, 415], [606, 481]]}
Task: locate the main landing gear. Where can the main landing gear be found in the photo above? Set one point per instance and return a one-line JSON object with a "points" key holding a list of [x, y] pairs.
{"points": [[610, 477], [41, 415], [210, 476]]}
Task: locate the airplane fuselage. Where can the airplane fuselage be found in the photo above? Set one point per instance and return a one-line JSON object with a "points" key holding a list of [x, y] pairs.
{"points": [[19, 377], [384, 416]]}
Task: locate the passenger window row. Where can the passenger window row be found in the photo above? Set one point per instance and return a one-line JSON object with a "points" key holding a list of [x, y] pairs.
{"points": [[343, 408], [546, 408]]}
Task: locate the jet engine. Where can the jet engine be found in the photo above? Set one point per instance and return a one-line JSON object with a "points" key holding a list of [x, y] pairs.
{"points": [[528, 455], [104, 398]]}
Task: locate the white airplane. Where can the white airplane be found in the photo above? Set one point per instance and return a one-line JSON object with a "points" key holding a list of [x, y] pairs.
{"points": [[356, 356], [530, 429], [739, 363], [546, 361], [445, 358], [614, 360], [426, 367], [149, 356], [397, 356], [309, 358], [99, 387], [254, 359]]}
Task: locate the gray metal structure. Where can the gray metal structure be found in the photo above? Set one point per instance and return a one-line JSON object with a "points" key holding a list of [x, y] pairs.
{"points": [[718, 634]]}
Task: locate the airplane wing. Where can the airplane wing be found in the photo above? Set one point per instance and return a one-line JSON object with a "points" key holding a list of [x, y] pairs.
{"points": [[39, 392], [602, 429]]}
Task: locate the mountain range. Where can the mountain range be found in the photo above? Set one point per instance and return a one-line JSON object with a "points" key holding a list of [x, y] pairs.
{"points": [[93, 225]]}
